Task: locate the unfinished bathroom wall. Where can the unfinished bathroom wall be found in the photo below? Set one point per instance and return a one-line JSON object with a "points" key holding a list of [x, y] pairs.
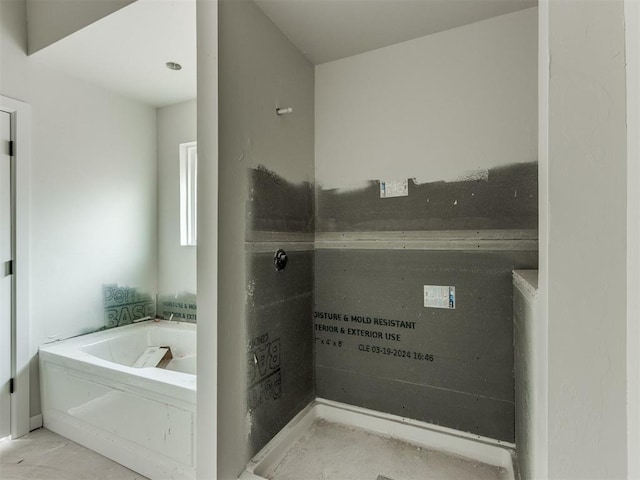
{"points": [[265, 372], [426, 177], [176, 262]]}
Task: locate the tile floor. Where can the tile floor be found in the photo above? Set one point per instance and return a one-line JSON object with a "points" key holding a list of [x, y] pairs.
{"points": [[43, 455]]}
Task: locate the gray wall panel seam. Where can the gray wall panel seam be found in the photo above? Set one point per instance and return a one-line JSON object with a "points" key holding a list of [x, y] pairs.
{"points": [[422, 385]]}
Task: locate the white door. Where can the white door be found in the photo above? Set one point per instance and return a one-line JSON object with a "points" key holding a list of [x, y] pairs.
{"points": [[6, 274]]}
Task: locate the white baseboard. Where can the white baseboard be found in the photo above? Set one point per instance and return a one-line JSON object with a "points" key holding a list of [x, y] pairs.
{"points": [[35, 422]]}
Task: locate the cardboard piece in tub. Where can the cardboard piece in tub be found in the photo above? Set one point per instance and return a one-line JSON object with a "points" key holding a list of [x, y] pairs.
{"points": [[154, 357]]}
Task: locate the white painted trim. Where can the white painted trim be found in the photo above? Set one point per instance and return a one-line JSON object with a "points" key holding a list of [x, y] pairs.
{"points": [[24, 350], [35, 422], [632, 24], [492, 452], [540, 465]]}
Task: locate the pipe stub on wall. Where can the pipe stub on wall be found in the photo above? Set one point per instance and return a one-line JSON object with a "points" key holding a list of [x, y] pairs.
{"points": [[280, 260]]}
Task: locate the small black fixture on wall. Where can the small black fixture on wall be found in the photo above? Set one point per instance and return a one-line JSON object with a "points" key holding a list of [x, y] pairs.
{"points": [[280, 260]]}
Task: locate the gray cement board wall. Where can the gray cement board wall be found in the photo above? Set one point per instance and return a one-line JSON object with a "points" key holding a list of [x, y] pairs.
{"points": [[278, 205], [279, 343], [504, 198], [468, 384], [279, 304]]}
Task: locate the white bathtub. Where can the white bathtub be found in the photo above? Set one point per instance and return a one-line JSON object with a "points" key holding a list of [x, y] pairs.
{"points": [[143, 418]]}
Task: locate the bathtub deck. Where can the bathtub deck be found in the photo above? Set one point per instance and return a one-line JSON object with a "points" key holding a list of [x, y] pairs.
{"points": [[44, 455], [330, 451]]}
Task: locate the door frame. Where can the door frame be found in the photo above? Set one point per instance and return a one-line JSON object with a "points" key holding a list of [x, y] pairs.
{"points": [[22, 346]]}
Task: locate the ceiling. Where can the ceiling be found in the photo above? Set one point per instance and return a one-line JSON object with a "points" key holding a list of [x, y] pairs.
{"points": [[127, 50], [326, 30]]}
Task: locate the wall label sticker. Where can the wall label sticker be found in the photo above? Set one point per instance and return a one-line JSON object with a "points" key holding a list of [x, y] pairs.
{"points": [[395, 188], [438, 296]]}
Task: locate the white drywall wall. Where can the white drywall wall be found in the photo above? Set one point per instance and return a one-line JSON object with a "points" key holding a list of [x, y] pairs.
{"points": [[540, 411], [93, 191], [632, 23], [433, 108], [176, 264], [93, 208], [207, 256], [51, 20], [587, 234]]}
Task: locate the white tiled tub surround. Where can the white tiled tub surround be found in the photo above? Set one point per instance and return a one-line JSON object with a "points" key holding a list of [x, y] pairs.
{"points": [[143, 418]]}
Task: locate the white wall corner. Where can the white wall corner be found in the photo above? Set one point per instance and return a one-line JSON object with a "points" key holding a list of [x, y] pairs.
{"points": [[35, 422], [540, 464], [632, 32], [207, 252]]}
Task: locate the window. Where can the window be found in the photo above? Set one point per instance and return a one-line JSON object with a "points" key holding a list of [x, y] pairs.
{"points": [[188, 193]]}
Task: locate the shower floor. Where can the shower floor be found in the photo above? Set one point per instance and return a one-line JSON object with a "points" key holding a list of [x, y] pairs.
{"points": [[330, 451], [334, 441]]}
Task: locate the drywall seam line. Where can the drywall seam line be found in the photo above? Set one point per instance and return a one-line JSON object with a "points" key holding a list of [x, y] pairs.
{"points": [[467, 245], [281, 301], [270, 247], [413, 235], [272, 236]]}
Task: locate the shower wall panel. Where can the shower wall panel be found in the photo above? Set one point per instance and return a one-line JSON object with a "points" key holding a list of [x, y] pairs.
{"points": [[380, 343], [426, 175], [280, 349], [378, 347]]}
